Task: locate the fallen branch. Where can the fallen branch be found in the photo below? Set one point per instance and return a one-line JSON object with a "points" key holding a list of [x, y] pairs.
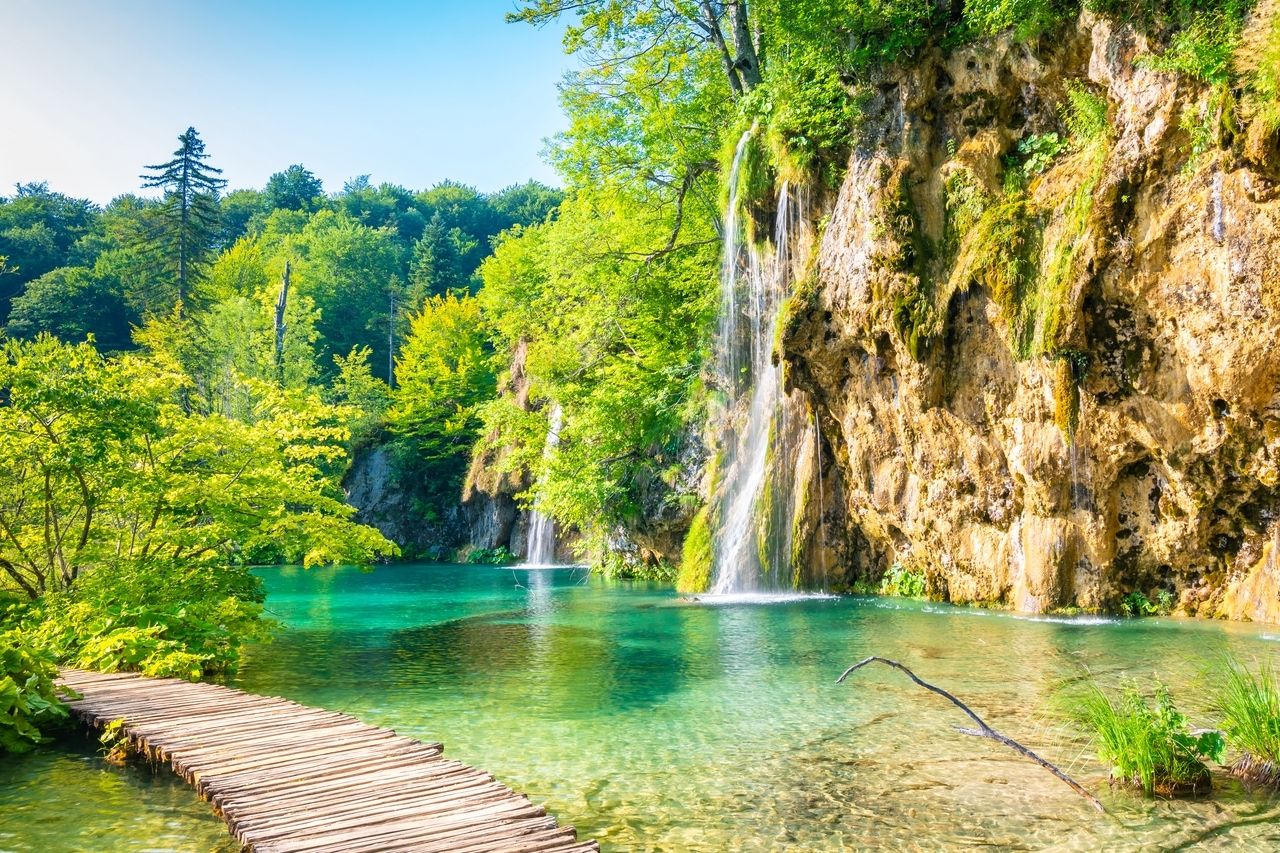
{"points": [[983, 729]]}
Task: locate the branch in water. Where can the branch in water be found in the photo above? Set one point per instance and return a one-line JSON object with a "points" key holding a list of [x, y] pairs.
{"points": [[983, 730]]}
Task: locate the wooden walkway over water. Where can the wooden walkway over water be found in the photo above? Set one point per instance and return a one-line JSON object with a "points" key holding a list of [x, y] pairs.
{"points": [[286, 777]]}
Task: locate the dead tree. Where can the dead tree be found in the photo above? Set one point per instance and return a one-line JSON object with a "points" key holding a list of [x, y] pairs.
{"points": [[983, 730]]}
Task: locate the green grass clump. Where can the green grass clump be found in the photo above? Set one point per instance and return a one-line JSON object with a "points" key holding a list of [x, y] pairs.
{"points": [[1149, 746], [1249, 705]]}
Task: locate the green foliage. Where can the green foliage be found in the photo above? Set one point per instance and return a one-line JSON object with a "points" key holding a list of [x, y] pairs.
{"points": [[181, 232], [500, 556], [106, 466], [1249, 705], [1085, 115], [903, 581], [1204, 39], [366, 395], [444, 373], [609, 320], [1039, 150], [295, 188], [28, 698], [75, 304], [157, 617], [1257, 62], [1149, 746], [1136, 603], [697, 555], [1025, 19], [965, 201]]}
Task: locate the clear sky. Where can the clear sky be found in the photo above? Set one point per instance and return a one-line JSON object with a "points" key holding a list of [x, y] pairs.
{"points": [[408, 92]]}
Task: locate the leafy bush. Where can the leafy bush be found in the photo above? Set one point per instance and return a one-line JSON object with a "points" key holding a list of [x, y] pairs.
{"points": [[1149, 747], [1136, 603], [900, 580], [28, 699], [500, 556], [1039, 151], [1249, 704], [157, 618], [1026, 19]]}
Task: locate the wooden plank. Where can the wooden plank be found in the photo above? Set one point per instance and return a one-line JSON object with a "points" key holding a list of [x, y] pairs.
{"points": [[287, 777]]}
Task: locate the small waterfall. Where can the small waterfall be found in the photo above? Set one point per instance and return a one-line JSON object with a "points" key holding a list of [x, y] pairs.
{"points": [[764, 426], [541, 550]]}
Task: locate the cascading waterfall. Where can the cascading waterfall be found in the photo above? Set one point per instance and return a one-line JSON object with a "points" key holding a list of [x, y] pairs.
{"points": [[541, 550], [764, 426]]}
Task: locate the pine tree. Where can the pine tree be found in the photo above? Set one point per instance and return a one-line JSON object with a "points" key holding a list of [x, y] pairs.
{"points": [[184, 227]]}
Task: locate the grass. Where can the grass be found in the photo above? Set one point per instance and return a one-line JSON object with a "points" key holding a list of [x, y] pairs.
{"points": [[1149, 745], [1249, 705]]}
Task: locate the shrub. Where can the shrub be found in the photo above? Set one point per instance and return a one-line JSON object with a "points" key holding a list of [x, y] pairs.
{"points": [[28, 699], [157, 618], [1085, 114], [1039, 151], [500, 556], [1136, 603], [1249, 705], [1149, 746], [900, 580]]}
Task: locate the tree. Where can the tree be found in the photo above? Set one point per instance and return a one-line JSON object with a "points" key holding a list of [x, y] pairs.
{"points": [[525, 204], [439, 262], [350, 270], [443, 375], [38, 229], [105, 470], [295, 188], [242, 210], [184, 228], [75, 304]]}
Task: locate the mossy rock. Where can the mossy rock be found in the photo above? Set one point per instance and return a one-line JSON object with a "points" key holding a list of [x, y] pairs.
{"points": [[696, 557]]}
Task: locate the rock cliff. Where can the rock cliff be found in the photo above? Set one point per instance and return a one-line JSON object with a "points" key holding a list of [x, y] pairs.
{"points": [[1051, 394]]}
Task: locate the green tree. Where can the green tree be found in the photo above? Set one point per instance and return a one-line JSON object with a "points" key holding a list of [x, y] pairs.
{"points": [[75, 303], [439, 263], [443, 375], [38, 229], [104, 468], [296, 188], [351, 272], [184, 227]]}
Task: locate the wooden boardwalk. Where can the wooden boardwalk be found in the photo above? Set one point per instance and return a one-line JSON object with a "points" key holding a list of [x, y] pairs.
{"points": [[286, 777]]}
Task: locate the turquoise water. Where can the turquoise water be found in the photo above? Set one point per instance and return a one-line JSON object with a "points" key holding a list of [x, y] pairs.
{"points": [[656, 724]]}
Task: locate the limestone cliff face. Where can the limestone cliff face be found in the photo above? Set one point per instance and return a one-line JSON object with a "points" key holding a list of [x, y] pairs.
{"points": [[383, 502], [1101, 419]]}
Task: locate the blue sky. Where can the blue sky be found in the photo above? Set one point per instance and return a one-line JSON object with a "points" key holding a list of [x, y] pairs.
{"points": [[409, 92]]}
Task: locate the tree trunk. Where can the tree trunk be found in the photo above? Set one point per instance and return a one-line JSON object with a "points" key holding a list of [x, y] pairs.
{"points": [[713, 27], [747, 62], [281, 303]]}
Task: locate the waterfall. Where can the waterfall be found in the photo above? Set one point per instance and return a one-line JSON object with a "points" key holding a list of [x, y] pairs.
{"points": [[541, 550], [764, 426]]}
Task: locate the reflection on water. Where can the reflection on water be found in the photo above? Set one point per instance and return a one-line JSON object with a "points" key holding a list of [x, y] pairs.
{"points": [[656, 724]]}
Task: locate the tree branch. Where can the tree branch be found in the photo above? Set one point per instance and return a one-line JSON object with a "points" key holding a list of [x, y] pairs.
{"points": [[983, 729]]}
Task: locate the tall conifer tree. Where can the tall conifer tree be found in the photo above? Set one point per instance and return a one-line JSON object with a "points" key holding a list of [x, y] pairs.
{"points": [[185, 225]]}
